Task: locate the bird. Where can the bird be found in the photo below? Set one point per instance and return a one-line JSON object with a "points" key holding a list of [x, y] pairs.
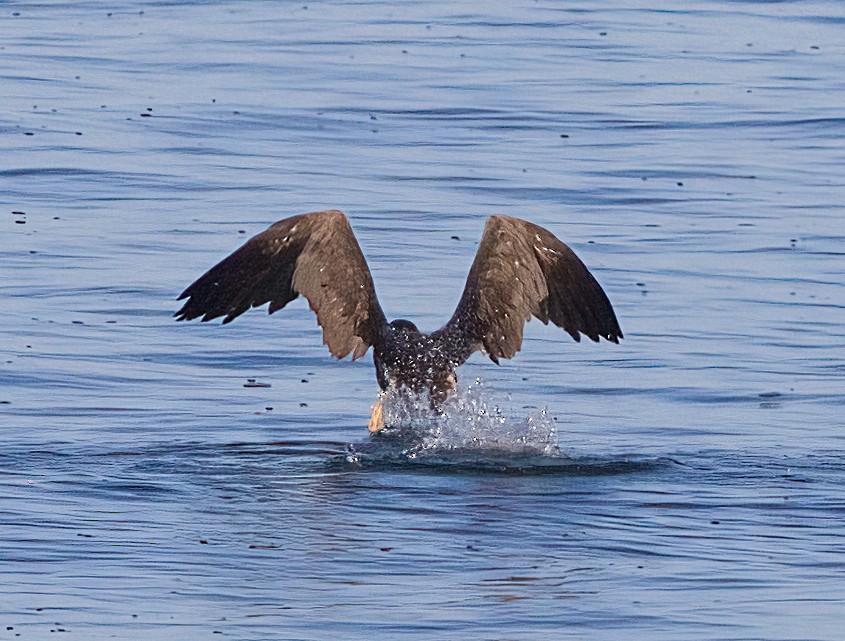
{"points": [[521, 270]]}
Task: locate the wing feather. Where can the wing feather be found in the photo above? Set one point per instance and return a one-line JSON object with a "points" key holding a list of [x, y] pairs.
{"points": [[522, 270], [315, 255]]}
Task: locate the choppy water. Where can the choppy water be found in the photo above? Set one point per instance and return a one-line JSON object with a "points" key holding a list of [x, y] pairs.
{"points": [[686, 484]]}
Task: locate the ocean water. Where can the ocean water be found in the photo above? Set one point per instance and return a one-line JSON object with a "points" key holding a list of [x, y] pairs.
{"points": [[163, 480]]}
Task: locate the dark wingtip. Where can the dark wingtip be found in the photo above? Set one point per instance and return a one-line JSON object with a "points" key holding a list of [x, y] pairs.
{"points": [[182, 314]]}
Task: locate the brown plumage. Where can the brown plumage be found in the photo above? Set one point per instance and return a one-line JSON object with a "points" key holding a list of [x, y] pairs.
{"points": [[520, 270]]}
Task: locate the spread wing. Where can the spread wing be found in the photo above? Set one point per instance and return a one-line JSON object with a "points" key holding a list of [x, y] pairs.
{"points": [[315, 255], [520, 270]]}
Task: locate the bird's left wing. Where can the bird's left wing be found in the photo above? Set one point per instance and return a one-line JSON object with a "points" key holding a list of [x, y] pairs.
{"points": [[522, 270], [315, 255]]}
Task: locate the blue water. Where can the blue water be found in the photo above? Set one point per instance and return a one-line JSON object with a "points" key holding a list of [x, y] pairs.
{"points": [[685, 484]]}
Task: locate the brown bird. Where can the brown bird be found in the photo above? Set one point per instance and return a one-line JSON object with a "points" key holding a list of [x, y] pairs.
{"points": [[520, 270]]}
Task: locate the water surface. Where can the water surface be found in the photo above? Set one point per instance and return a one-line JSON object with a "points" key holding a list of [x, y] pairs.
{"points": [[686, 484]]}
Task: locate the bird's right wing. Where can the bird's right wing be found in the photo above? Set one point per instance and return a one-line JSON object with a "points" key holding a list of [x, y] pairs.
{"points": [[315, 255], [520, 270]]}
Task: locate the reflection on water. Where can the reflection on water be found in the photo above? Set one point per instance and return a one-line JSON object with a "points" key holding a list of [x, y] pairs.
{"points": [[685, 484]]}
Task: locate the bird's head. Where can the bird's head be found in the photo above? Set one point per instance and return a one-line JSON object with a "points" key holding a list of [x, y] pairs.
{"points": [[404, 325]]}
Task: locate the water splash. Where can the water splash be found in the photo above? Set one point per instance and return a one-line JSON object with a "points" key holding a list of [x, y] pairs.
{"points": [[468, 429]]}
